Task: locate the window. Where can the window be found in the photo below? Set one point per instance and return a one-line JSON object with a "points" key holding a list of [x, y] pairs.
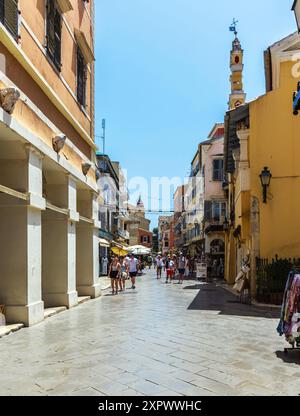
{"points": [[218, 211], [9, 16], [218, 170], [81, 78], [54, 33], [125, 227], [145, 239]]}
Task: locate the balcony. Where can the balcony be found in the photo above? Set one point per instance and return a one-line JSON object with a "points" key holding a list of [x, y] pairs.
{"points": [[124, 234]]}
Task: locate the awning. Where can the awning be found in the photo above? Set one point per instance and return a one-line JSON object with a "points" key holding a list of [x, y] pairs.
{"points": [[84, 46], [103, 242], [119, 251], [65, 5]]}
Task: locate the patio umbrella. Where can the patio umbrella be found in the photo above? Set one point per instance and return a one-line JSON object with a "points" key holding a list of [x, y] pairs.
{"points": [[139, 250]]}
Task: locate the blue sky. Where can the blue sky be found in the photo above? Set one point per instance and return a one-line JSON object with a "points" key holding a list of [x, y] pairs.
{"points": [[162, 74]]}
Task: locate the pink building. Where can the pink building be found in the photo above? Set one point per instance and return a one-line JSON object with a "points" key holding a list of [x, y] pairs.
{"points": [[215, 206]]}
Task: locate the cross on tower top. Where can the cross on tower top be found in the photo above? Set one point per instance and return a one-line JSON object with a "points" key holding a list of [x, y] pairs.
{"points": [[233, 27]]}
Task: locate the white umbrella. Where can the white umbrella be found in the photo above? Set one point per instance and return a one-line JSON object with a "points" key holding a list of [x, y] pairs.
{"points": [[139, 250]]}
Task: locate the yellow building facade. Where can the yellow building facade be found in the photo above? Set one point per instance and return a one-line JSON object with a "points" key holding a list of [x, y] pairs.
{"points": [[265, 133]]}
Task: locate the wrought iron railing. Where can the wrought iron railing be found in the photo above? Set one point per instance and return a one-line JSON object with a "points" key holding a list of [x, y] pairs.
{"points": [[271, 276]]}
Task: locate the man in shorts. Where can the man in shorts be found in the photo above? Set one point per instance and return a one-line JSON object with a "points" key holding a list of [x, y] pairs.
{"points": [[159, 266], [133, 269], [170, 268]]}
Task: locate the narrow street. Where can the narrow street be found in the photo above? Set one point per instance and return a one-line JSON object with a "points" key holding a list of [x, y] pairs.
{"points": [[158, 340]]}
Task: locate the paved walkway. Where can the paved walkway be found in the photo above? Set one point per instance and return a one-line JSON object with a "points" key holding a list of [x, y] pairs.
{"points": [[157, 340]]}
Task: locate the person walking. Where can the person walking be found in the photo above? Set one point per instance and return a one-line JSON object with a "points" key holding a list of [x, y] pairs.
{"points": [[187, 267], [124, 274], [181, 268], [169, 267], [150, 262], [159, 266], [115, 274], [133, 270]]}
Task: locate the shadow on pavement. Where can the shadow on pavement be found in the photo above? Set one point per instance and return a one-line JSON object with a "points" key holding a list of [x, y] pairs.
{"points": [[212, 298], [293, 357]]}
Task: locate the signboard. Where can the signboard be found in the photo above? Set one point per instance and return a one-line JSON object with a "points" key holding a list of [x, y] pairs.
{"points": [[201, 270]]}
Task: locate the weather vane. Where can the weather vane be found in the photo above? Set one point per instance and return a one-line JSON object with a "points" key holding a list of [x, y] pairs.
{"points": [[233, 28]]}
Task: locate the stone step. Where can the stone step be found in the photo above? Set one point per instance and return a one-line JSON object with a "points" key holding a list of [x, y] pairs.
{"points": [[48, 312], [7, 329], [82, 299]]}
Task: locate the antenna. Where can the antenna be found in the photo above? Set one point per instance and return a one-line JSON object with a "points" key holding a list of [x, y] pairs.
{"points": [[233, 27], [103, 135]]}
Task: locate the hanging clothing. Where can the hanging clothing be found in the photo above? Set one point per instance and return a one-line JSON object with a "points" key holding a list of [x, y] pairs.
{"points": [[289, 324]]}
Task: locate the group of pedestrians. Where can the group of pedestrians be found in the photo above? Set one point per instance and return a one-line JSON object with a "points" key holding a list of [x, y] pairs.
{"points": [[121, 269], [171, 265]]}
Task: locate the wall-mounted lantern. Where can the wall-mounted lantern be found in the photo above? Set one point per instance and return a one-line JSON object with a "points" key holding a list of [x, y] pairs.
{"points": [[265, 178], [58, 142], [8, 99], [86, 167], [296, 10]]}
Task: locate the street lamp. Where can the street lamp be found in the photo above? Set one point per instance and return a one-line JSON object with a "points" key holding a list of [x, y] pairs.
{"points": [[296, 10], [265, 178]]}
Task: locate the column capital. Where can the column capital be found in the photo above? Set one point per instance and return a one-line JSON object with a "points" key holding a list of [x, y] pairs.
{"points": [[243, 133], [29, 148]]}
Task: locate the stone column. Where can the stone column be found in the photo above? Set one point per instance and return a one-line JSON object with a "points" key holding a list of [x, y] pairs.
{"points": [[59, 248], [243, 162], [255, 241], [87, 248], [20, 245]]}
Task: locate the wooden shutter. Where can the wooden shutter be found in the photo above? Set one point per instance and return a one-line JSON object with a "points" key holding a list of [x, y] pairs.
{"points": [[50, 28], [54, 33], [11, 16], [81, 78], [207, 211], [218, 170], [2, 11], [57, 35]]}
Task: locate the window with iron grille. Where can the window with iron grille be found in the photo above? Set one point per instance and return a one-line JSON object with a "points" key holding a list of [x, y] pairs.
{"points": [[218, 170], [54, 23], [9, 16], [81, 78]]}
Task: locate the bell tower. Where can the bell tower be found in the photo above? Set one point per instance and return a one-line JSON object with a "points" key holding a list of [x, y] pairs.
{"points": [[237, 96]]}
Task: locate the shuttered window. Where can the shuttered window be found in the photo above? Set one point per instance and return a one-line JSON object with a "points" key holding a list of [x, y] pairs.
{"points": [[207, 211], [54, 33], [81, 78], [9, 16], [218, 170]]}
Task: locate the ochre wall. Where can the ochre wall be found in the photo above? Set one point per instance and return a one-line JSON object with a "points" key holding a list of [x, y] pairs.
{"points": [[275, 143], [33, 12]]}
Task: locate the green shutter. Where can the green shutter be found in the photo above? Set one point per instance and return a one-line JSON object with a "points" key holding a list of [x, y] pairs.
{"points": [[81, 78], [54, 33], [57, 35], [11, 16], [2, 11], [50, 28], [207, 211]]}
